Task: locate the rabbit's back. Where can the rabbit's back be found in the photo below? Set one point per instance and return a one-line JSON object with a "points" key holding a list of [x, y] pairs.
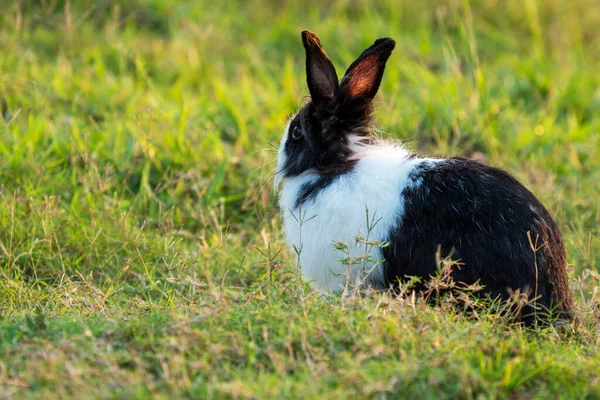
{"points": [[482, 217]]}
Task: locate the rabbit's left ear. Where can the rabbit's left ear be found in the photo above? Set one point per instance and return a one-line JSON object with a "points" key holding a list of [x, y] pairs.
{"points": [[364, 76], [321, 77]]}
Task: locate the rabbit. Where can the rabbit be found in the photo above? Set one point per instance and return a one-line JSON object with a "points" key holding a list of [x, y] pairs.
{"points": [[338, 182]]}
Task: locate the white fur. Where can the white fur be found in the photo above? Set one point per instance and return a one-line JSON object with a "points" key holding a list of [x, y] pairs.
{"points": [[338, 214]]}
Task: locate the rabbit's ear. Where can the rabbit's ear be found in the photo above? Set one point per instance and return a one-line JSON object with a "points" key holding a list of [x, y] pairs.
{"points": [[320, 73], [363, 77]]}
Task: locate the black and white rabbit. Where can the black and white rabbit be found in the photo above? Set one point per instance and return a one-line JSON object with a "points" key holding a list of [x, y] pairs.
{"points": [[331, 170]]}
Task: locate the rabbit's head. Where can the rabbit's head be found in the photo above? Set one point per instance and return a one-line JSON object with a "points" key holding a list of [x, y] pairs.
{"points": [[328, 131]]}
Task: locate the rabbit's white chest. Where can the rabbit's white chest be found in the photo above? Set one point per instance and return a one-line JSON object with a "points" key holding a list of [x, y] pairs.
{"points": [[336, 216]]}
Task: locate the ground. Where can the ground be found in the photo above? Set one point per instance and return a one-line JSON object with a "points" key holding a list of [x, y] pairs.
{"points": [[141, 249]]}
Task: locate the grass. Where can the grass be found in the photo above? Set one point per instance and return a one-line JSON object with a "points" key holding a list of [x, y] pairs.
{"points": [[140, 245]]}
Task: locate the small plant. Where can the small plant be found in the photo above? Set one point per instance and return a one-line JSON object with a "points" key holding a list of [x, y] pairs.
{"points": [[357, 260]]}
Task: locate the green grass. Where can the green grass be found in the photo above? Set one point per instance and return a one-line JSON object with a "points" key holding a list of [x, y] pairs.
{"points": [[140, 244]]}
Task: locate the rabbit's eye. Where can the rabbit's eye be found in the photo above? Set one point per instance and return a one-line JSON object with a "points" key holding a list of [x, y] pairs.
{"points": [[296, 132]]}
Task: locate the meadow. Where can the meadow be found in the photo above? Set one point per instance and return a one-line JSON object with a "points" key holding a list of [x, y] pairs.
{"points": [[141, 251]]}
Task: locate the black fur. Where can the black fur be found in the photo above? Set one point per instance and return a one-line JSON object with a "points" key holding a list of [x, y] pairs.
{"points": [[480, 216], [314, 149]]}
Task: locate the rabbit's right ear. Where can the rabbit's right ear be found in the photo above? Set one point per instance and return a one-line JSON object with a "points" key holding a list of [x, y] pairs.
{"points": [[321, 77], [363, 77]]}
